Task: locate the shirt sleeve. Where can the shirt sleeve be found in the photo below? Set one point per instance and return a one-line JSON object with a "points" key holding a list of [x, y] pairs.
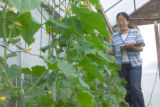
{"points": [[139, 38]]}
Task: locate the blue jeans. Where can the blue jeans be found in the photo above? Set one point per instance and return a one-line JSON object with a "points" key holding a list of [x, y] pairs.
{"points": [[132, 75]]}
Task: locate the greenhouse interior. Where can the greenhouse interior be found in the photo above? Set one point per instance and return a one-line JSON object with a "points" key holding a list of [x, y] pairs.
{"points": [[79, 53]]}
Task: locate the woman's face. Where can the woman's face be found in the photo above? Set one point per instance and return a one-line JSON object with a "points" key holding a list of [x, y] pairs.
{"points": [[122, 22]]}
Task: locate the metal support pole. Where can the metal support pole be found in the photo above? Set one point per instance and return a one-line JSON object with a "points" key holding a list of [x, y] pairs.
{"points": [[113, 6], [22, 77], [134, 5], [157, 43]]}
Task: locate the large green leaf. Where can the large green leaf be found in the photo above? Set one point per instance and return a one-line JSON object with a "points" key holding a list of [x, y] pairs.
{"points": [[80, 47], [123, 104], [46, 101], [25, 5], [15, 40], [106, 56], [85, 99], [67, 69], [29, 99], [77, 27], [1, 61], [10, 55], [26, 71], [13, 71], [83, 83], [51, 64], [97, 59], [90, 20], [45, 48], [38, 70], [29, 27], [91, 69], [59, 23], [83, 46], [98, 44], [108, 70]]}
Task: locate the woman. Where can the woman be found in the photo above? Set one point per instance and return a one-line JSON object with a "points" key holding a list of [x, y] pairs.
{"points": [[127, 45]]}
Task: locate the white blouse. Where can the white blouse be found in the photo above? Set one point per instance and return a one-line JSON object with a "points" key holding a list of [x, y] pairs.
{"points": [[124, 52]]}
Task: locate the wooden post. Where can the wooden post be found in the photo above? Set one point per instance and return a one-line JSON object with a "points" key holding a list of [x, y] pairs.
{"points": [[88, 5], [157, 43], [101, 10]]}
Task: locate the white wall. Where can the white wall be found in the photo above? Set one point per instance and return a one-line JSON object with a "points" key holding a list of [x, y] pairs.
{"points": [[149, 54], [150, 72]]}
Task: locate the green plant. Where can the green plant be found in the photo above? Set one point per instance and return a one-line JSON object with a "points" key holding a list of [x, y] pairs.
{"points": [[79, 74]]}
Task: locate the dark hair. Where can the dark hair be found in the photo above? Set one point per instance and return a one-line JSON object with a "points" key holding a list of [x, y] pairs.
{"points": [[124, 14]]}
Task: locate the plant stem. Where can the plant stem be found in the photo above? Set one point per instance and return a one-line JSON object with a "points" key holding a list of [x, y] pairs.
{"points": [[10, 36], [55, 87], [35, 83], [56, 6], [31, 84], [5, 49], [4, 34], [42, 14], [8, 80], [69, 99]]}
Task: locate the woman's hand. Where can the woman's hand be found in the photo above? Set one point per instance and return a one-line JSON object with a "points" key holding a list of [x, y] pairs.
{"points": [[127, 47], [111, 52], [132, 47]]}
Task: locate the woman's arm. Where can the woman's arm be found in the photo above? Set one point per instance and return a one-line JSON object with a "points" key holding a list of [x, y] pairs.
{"points": [[111, 52], [138, 48], [133, 47]]}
